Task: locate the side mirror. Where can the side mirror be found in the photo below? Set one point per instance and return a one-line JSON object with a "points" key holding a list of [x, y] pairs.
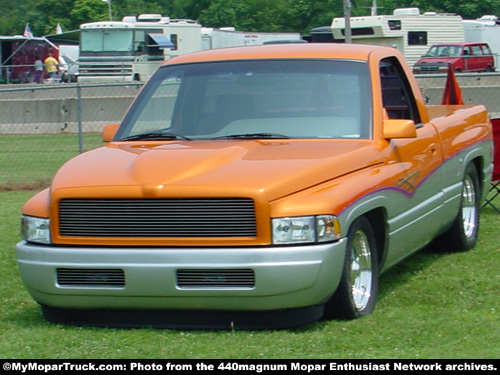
{"points": [[394, 129], [109, 131]]}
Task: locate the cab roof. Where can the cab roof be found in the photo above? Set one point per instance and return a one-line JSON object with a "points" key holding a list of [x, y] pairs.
{"points": [[283, 51]]}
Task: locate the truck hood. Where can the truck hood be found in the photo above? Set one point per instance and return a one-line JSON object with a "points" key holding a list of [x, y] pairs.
{"points": [[275, 168]]}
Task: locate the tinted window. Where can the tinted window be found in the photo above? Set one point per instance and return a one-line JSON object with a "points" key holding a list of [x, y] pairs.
{"points": [[397, 96], [417, 38], [394, 24], [359, 31]]}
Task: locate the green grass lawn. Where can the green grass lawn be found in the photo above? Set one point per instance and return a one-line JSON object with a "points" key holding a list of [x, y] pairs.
{"points": [[32, 160], [430, 306]]}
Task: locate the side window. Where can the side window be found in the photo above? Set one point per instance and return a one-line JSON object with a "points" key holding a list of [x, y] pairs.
{"points": [[417, 38], [394, 24], [486, 49], [476, 50], [139, 41], [173, 39], [152, 47], [397, 97]]}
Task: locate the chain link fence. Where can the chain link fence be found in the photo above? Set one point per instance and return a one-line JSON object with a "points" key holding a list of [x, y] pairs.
{"points": [[477, 88], [42, 126]]}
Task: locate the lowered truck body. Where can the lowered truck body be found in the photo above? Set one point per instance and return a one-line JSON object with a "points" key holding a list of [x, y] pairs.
{"points": [[272, 179]]}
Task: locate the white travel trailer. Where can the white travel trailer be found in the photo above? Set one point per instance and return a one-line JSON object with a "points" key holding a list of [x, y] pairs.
{"points": [[132, 49], [228, 37], [406, 29], [485, 29]]}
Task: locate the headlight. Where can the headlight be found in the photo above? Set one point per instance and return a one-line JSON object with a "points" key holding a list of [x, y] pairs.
{"points": [[305, 229], [327, 228], [35, 229]]}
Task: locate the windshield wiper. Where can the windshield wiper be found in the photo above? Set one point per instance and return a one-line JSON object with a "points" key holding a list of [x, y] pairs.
{"points": [[155, 135], [254, 136]]}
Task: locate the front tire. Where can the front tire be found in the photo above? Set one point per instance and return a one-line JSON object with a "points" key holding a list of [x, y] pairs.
{"points": [[356, 294]]}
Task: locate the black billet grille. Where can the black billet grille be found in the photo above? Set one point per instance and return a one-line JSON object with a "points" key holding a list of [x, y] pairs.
{"points": [[176, 218], [83, 277], [215, 278]]}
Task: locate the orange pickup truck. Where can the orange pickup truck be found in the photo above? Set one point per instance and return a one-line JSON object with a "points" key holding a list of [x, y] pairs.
{"points": [[264, 186]]}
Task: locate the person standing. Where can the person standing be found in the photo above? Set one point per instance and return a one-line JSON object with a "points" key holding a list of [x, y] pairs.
{"points": [[51, 66], [37, 78]]}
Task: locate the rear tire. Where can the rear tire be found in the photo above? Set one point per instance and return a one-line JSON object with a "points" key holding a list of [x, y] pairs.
{"points": [[463, 233], [356, 294]]}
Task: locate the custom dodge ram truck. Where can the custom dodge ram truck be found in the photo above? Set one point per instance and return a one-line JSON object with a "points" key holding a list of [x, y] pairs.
{"points": [[263, 186]]}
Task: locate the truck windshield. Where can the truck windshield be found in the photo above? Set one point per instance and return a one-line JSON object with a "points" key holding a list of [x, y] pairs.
{"points": [[253, 99], [106, 40]]}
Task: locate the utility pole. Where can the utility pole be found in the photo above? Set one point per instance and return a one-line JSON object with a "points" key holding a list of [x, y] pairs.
{"points": [[347, 15], [374, 8], [109, 9]]}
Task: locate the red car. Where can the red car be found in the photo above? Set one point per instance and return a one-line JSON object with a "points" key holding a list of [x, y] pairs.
{"points": [[464, 57]]}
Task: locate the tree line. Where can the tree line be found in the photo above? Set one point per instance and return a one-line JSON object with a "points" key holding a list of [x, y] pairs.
{"points": [[43, 16]]}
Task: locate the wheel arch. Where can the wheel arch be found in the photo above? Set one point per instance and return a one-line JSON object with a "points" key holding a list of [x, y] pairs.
{"points": [[478, 163], [377, 217], [378, 221], [481, 161], [374, 208]]}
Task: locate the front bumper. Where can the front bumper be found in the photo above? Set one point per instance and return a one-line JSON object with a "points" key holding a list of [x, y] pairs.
{"points": [[430, 68], [284, 277]]}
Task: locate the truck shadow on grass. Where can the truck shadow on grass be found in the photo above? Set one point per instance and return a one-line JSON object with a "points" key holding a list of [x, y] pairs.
{"points": [[406, 270], [391, 280], [420, 261]]}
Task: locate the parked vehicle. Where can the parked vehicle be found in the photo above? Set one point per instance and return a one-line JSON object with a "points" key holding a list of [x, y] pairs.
{"points": [[485, 29], [229, 37], [406, 29], [263, 186], [68, 62], [463, 57], [18, 55], [131, 50]]}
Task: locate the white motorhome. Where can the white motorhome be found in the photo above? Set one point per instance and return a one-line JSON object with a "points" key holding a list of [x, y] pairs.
{"points": [[132, 49], [228, 37], [406, 29], [485, 29]]}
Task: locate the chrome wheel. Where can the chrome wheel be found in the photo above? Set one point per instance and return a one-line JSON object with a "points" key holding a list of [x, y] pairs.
{"points": [[464, 230], [469, 207], [361, 270], [356, 293]]}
